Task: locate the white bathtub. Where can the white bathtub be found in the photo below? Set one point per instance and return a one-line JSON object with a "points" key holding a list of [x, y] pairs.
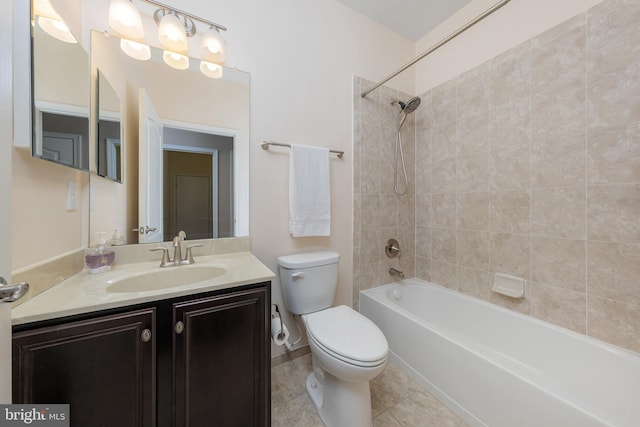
{"points": [[497, 368]]}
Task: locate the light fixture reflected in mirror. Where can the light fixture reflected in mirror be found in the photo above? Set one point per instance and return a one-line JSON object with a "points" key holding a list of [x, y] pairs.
{"points": [[210, 69], [51, 22], [135, 50], [44, 8], [175, 60], [57, 29]]}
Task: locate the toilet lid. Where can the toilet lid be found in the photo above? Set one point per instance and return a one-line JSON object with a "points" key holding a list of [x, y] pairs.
{"points": [[347, 333]]}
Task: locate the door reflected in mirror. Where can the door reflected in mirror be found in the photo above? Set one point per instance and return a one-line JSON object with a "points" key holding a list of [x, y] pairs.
{"points": [[60, 88], [198, 183], [109, 142], [185, 159]]}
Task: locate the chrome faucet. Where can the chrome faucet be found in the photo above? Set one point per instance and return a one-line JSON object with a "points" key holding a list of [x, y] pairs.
{"points": [[177, 246], [177, 252], [396, 272]]}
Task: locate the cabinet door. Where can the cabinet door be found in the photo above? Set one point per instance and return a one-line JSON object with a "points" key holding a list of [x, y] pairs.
{"points": [[221, 363], [103, 367]]}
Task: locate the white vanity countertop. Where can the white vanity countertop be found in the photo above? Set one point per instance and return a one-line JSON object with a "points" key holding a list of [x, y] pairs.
{"points": [[85, 292]]}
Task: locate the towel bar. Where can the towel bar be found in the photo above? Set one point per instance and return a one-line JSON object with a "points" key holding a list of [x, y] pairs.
{"points": [[266, 144]]}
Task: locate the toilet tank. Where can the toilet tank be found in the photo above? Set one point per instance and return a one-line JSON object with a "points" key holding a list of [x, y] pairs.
{"points": [[308, 280]]}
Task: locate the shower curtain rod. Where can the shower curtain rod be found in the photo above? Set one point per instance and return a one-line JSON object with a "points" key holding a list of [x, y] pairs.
{"points": [[442, 42]]}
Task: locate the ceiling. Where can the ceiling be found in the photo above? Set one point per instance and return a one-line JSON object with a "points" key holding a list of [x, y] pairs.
{"points": [[410, 18]]}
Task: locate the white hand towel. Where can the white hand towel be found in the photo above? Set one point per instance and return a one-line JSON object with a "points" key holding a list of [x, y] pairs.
{"points": [[309, 193]]}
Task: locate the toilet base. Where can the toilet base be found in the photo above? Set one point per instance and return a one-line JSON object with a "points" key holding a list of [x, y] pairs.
{"points": [[340, 403]]}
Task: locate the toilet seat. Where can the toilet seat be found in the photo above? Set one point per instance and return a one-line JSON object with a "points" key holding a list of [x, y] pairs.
{"points": [[348, 336]]}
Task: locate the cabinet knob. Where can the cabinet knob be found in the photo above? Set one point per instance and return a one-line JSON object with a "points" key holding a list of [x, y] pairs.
{"points": [[179, 327], [145, 335]]}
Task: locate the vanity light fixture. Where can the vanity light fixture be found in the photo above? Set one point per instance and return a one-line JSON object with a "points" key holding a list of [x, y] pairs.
{"points": [[125, 20], [50, 22], [213, 46], [171, 31], [174, 28]]}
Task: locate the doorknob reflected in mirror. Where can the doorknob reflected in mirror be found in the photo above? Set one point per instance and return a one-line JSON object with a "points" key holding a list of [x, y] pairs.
{"points": [[145, 230]]}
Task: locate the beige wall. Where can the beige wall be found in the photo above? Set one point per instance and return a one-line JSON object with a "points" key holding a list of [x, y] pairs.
{"points": [[41, 225], [527, 164]]}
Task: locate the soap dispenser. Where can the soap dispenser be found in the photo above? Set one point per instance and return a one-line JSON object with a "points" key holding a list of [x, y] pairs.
{"points": [[117, 239], [99, 257]]}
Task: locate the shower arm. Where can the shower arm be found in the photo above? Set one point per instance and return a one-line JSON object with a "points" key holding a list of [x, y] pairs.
{"points": [[441, 43]]}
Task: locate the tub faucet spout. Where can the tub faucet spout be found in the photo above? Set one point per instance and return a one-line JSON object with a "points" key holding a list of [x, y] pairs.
{"points": [[395, 272]]}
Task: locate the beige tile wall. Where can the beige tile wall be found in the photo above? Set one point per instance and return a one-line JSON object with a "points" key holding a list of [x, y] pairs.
{"points": [[529, 165], [379, 214]]}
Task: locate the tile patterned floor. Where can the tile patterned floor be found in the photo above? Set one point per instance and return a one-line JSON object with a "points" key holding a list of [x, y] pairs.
{"points": [[396, 400]]}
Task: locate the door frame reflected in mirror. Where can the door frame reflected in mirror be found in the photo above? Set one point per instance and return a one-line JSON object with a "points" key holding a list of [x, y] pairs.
{"points": [[108, 128]]}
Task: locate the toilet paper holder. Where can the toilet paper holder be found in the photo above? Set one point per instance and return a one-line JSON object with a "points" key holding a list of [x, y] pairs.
{"points": [[279, 316], [279, 331]]}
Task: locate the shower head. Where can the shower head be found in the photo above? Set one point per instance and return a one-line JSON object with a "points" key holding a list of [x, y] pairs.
{"points": [[410, 106], [407, 108]]}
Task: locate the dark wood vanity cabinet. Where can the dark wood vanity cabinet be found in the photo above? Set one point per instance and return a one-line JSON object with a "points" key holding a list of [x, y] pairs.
{"points": [[100, 366], [218, 379], [201, 360]]}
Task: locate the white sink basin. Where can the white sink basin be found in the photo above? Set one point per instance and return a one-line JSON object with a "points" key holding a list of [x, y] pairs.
{"points": [[166, 278]]}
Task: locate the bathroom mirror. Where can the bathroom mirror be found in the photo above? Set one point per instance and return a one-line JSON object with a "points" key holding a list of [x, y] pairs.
{"points": [[60, 102], [198, 181], [109, 139]]}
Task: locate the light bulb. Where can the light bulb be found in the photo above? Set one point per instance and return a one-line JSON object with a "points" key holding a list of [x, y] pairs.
{"points": [[175, 60], [125, 19], [171, 33], [210, 69], [139, 51]]}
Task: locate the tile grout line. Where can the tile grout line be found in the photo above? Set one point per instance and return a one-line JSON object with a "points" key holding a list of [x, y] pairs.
{"points": [[586, 172]]}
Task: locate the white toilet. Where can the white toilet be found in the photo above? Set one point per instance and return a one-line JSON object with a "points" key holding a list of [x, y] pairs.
{"points": [[348, 350]]}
